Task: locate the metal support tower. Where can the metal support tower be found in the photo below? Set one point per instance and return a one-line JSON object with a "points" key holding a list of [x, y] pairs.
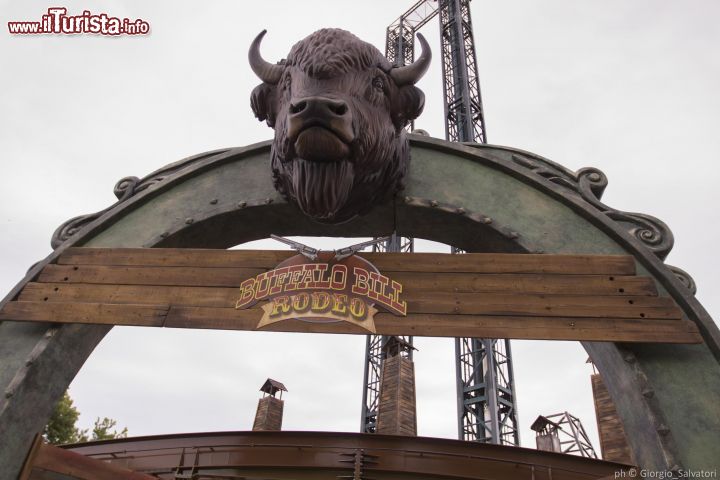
{"points": [[400, 35], [485, 391], [374, 350], [571, 435], [487, 410], [464, 118], [399, 50]]}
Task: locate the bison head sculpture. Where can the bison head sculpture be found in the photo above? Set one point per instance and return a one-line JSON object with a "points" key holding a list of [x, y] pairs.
{"points": [[339, 109]]}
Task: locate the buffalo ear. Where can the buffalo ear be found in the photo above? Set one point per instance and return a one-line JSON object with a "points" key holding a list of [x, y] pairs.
{"points": [[408, 105], [262, 102]]}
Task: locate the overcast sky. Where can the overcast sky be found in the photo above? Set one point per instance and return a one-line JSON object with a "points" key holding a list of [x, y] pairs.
{"points": [[630, 87]]}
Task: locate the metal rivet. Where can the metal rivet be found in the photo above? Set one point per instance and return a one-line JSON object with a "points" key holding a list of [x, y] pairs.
{"points": [[434, 203], [408, 199], [164, 234], [629, 357], [189, 221], [487, 220], [28, 363], [648, 393], [513, 235], [242, 204], [8, 394], [268, 201], [213, 201], [572, 324], [461, 211], [663, 429]]}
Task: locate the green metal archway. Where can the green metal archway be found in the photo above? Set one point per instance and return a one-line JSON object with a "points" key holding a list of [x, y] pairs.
{"points": [[475, 197]]}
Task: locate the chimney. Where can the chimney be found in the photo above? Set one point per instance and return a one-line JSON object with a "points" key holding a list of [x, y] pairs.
{"points": [[396, 408], [270, 409], [547, 438], [613, 443]]}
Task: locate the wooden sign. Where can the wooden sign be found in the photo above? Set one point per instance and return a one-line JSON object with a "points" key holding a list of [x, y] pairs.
{"points": [[524, 296], [327, 289]]}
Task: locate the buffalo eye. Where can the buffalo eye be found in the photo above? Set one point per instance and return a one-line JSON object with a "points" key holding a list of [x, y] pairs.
{"points": [[378, 83]]}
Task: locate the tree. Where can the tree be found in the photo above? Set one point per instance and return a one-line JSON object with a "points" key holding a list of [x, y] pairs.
{"points": [[101, 430], [61, 426]]}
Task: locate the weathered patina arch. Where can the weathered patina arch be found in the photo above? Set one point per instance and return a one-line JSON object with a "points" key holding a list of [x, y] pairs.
{"points": [[476, 197]]}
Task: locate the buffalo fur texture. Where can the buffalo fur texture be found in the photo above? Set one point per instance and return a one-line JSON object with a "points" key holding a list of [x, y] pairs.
{"points": [[357, 174]]}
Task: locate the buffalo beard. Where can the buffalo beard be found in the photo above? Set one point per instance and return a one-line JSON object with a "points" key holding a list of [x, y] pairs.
{"points": [[322, 188]]}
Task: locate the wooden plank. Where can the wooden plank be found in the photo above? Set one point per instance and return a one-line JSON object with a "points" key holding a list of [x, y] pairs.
{"points": [[442, 282], [100, 313], [418, 302], [78, 467], [503, 263], [538, 328], [541, 305], [175, 257], [541, 328], [385, 262], [208, 277], [526, 283]]}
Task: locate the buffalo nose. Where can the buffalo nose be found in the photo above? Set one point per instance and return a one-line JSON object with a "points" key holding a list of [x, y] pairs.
{"points": [[318, 107], [329, 113]]}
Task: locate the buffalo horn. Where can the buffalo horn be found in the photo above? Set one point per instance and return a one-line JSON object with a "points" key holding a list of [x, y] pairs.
{"points": [[410, 74], [266, 71]]}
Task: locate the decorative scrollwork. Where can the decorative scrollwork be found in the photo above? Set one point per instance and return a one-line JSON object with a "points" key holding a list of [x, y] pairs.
{"points": [[589, 183], [684, 278], [124, 189], [71, 227]]}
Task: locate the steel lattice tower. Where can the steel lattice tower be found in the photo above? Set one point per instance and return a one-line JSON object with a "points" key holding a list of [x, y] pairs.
{"points": [[487, 409], [464, 118], [400, 50]]}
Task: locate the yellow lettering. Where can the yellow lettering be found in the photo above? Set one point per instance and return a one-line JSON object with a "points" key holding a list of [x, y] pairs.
{"points": [[294, 273], [395, 303], [338, 277], [301, 302], [262, 286], [358, 308], [361, 286], [320, 301], [339, 304], [281, 306], [247, 293], [279, 276], [307, 277]]}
